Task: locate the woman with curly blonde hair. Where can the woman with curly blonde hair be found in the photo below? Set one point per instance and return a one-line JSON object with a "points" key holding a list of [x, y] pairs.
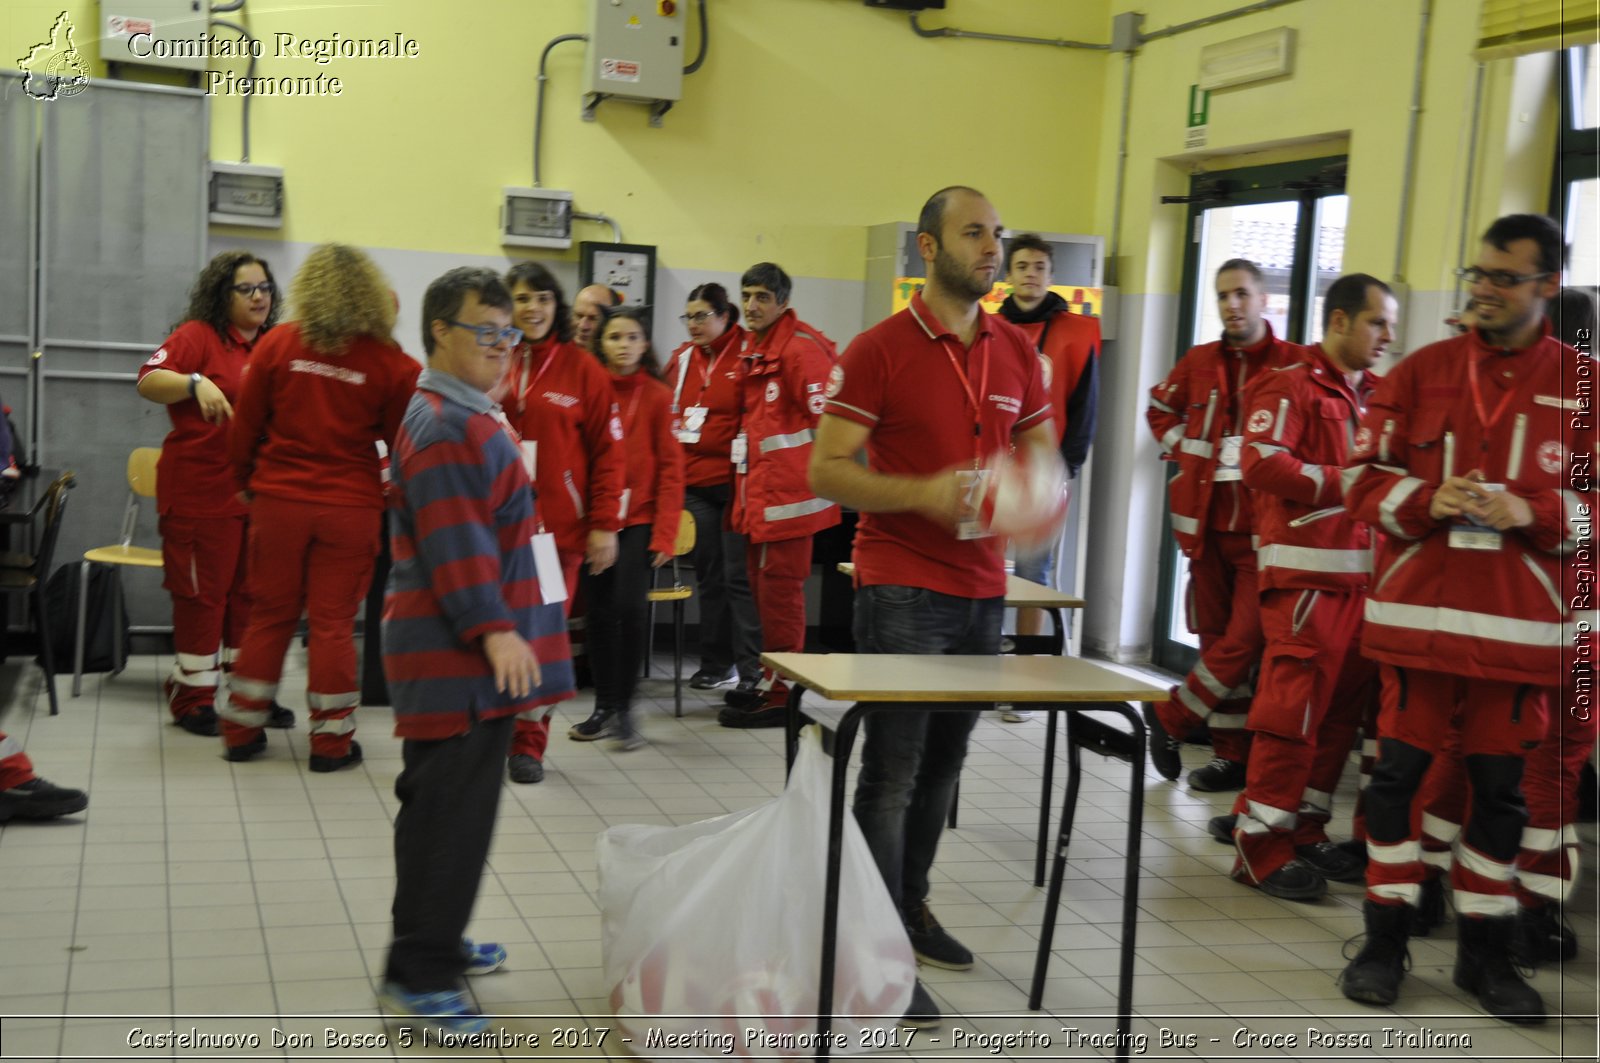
{"points": [[195, 375], [321, 392]]}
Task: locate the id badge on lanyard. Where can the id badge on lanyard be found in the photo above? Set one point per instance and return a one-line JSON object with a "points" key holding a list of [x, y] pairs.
{"points": [[547, 563], [975, 481], [1474, 534]]}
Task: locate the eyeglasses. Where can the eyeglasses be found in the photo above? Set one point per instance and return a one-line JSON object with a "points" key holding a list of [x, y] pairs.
{"points": [[247, 290], [1498, 277], [490, 335], [696, 319]]}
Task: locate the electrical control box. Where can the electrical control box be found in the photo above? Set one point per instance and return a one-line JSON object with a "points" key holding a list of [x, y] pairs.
{"points": [[636, 50], [242, 194], [536, 217], [166, 33]]}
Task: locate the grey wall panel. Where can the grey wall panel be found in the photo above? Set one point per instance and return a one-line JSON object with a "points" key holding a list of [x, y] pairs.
{"points": [[122, 228]]}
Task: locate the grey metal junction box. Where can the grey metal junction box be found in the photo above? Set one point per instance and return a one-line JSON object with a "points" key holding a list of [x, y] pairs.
{"points": [[636, 51]]}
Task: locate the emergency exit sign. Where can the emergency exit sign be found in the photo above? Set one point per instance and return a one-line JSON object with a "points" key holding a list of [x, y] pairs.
{"points": [[1199, 117]]}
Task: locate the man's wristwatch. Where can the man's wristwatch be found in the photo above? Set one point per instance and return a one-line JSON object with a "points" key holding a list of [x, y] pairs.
{"points": [[194, 382]]}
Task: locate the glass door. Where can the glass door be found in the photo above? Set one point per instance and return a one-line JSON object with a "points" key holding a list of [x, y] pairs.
{"points": [[1290, 221]]}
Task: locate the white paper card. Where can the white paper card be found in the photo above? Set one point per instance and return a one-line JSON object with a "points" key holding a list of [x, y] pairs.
{"points": [[1228, 459], [552, 585]]}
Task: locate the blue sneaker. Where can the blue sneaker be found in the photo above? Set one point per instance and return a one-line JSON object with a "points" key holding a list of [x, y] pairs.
{"points": [[481, 959], [449, 1010]]}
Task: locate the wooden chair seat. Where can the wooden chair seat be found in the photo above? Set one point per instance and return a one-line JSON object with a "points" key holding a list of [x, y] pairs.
{"points": [[671, 594], [138, 556]]}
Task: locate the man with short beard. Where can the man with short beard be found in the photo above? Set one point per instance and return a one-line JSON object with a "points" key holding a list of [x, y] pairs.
{"points": [[1196, 416], [930, 394]]}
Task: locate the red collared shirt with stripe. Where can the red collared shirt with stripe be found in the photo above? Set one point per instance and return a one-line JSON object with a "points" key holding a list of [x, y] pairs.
{"points": [[897, 380]]}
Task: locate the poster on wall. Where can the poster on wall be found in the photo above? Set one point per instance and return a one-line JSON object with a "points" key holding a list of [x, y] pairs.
{"points": [[627, 269], [1080, 298]]}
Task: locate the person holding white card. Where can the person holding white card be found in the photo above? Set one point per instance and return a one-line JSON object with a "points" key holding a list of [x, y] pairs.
{"points": [[1476, 460], [652, 501]]}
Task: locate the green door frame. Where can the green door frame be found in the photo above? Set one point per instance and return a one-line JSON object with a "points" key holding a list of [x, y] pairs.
{"points": [[1301, 182]]}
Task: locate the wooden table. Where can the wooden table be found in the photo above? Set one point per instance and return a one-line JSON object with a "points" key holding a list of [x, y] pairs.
{"points": [[887, 682]]}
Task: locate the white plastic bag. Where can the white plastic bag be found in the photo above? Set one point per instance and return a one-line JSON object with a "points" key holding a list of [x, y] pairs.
{"points": [[714, 930]]}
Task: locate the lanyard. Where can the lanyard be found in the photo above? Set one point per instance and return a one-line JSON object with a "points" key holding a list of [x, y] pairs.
{"points": [[633, 409], [1477, 399], [1226, 394], [683, 371], [523, 383], [972, 397]]}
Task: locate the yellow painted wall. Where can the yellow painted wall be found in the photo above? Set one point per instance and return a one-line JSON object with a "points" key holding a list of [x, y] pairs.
{"points": [[1350, 91], [811, 120]]}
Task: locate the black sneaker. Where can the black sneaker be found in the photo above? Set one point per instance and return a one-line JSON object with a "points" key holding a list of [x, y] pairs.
{"points": [[596, 727], [201, 720], [922, 1013], [1333, 862], [320, 763], [1163, 747], [1294, 881], [932, 944], [280, 717], [746, 695], [525, 768], [1218, 774], [1221, 828], [240, 754], [712, 678], [38, 799]]}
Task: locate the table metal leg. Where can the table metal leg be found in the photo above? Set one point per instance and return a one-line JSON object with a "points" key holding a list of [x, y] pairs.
{"points": [[1044, 795], [844, 737], [1130, 884]]}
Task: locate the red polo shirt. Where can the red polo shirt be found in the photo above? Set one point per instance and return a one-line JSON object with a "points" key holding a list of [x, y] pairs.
{"points": [[900, 379], [193, 478]]}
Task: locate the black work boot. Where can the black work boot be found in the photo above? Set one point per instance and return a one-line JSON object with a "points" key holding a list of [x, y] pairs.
{"points": [[1483, 966], [1373, 977], [1429, 911], [1542, 936]]}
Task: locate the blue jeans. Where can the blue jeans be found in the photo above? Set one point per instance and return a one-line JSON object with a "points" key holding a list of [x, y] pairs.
{"points": [[911, 761]]}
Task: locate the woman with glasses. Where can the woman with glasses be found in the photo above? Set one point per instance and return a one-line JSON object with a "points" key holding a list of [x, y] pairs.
{"points": [[559, 398], [703, 375], [322, 391], [652, 502], [195, 375]]}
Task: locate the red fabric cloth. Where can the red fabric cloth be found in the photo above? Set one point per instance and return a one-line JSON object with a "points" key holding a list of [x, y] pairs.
{"points": [[1072, 340], [710, 380], [1492, 614], [193, 478], [561, 399], [335, 547], [1189, 413], [15, 768], [1296, 442], [1309, 701], [781, 382], [897, 380], [306, 425], [778, 572], [655, 462], [204, 569]]}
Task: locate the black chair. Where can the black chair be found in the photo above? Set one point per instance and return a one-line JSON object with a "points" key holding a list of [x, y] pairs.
{"points": [[30, 579]]}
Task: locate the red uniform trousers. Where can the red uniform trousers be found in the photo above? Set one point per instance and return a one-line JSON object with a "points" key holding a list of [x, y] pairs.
{"points": [[1548, 861], [315, 559], [1500, 722], [1225, 611], [778, 572], [15, 767], [531, 736], [1310, 700], [204, 569]]}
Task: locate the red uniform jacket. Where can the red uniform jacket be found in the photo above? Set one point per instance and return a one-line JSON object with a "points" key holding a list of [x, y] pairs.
{"points": [[306, 425], [193, 478], [655, 461], [709, 380], [1489, 613], [562, 401], [1069, 353], [1297, 438], [1190, 413], [781, 394]]}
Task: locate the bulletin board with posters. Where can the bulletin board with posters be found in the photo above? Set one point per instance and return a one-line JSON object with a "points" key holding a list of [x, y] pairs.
{"points": [[1080, 299]]}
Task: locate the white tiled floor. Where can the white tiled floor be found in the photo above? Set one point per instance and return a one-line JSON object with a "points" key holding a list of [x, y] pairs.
{"points": [[194, 889]]}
